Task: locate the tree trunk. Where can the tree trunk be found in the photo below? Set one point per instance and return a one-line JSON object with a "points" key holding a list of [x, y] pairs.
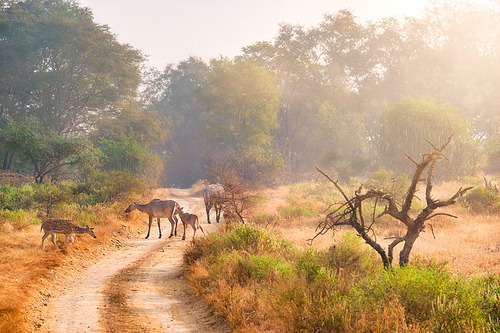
{"points": [[10, 160], [5, 158], [410, 238]]}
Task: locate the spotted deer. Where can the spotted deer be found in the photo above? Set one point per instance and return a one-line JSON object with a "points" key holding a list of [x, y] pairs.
{"points": [[191, 219], [65, 227]]}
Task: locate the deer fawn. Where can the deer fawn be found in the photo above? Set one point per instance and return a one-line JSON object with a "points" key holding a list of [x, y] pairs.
{"points": [[65, 227], [186, 219]]}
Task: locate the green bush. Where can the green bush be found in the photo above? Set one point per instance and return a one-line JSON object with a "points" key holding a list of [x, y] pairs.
{"points": [[47, 196], [12, 198], [107, 186], [18, 219], [481, 200]]}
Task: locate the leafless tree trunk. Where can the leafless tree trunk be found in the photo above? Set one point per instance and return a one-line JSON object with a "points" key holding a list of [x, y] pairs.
{"points": [[350, 212]]}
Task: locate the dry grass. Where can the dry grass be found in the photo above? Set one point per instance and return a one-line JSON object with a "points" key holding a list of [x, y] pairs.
{"points": [[470, 243]]}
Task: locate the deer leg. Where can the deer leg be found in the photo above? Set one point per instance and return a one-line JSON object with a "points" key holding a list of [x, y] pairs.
{"points": [[72, 240], [149, 228], [159, 228], [43, 238], [176, 224], [173, 226], [194, 228], [184, 234], [217, 212], [208, 206], [54, 238]]}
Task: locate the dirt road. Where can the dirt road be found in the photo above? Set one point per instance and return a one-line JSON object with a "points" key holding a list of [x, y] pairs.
{"points": [[139, 288]]}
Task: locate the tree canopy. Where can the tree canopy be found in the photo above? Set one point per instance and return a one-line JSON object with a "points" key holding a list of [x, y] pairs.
{"points": [[60, 66]]}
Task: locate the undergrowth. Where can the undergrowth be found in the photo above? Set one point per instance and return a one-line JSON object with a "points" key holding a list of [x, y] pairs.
{"points": [[258, 281]]}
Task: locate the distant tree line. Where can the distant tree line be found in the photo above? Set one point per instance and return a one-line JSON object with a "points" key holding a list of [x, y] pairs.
{"points": [[350, 96]]}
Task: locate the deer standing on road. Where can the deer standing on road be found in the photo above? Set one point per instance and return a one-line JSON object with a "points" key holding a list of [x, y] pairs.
{"points": [[159, 209], [65, 227], [191, 219], [213, 195]]}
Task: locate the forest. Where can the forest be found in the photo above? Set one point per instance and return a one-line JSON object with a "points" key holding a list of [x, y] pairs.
{"points": [[349, 96]]}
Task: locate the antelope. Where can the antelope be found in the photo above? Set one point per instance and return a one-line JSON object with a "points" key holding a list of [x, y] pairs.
{"points": [[213, 195], [65, 227], [191, 219], [159, 209]]}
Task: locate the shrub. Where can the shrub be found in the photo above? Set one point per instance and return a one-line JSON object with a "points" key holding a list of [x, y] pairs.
{"points": [[481, 200], [48, 196], [18, 219], [106, 186]]}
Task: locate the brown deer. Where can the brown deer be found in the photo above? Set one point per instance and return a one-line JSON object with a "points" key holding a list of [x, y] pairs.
{"points": [[213, 195], [159, 209], [65, 227], [191, 219]]}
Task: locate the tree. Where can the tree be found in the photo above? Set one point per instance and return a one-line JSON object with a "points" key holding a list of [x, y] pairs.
{"points": [[47, 152], [242, 102], [351, 212], [60, 66], [173, 96], [242, 105], [406, 124], [314, 101], [127, 155]]}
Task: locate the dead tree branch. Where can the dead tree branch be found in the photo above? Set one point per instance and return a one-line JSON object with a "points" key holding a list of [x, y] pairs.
{"points": [[350, 212]]}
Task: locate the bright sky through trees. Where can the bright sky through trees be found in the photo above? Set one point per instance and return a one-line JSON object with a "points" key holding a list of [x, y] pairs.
{"points": [[171, 30]]}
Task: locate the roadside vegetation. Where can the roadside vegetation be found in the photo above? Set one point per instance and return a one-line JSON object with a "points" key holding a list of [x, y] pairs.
{"points": [[27, 270], [264, 277]]}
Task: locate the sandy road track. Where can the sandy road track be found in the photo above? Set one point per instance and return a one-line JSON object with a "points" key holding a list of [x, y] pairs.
{"points": [[139, 288]]}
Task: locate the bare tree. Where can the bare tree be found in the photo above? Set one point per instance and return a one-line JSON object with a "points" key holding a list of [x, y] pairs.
{"points": [[350, 212], [236, 190]]}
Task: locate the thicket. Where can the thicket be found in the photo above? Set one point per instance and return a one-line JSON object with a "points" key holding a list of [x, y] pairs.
{"points": [[258, 281], [32, 203]]}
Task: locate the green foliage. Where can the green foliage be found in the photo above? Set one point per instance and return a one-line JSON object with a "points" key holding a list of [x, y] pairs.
{"points": [[430, 294], [294, 212], [127, 155], [48, 196], [58, 65], [404, 127], [18, 219], [47, 151], [107, 186], [481, 200], [340, 289], [14, 198], [242, 101]]}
